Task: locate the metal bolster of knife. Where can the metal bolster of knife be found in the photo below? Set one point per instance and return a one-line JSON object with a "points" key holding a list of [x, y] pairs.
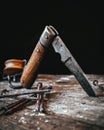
{"points": [[71, 64], [47, 36]]}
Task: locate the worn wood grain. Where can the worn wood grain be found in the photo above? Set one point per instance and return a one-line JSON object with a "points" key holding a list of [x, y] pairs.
{"points": [[66, 107]]}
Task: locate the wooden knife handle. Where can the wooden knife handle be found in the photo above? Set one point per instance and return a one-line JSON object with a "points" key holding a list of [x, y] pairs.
{"points": [[30, 71]]}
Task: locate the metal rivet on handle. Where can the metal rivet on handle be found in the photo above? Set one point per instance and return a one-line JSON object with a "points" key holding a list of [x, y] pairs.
{"points": [[37, 50], [46, 36]]}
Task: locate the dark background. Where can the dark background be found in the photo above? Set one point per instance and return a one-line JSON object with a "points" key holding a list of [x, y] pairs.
{"points": [[79, 23]]}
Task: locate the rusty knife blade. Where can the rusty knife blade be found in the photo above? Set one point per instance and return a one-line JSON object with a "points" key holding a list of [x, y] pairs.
{"points": [[72, 65]]}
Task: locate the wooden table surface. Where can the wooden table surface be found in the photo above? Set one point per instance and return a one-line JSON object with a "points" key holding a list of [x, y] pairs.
{"points": [[67, 106]]}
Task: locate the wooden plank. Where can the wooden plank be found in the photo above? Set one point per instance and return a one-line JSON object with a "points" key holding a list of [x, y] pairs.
{"points": [[67, 107]]}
